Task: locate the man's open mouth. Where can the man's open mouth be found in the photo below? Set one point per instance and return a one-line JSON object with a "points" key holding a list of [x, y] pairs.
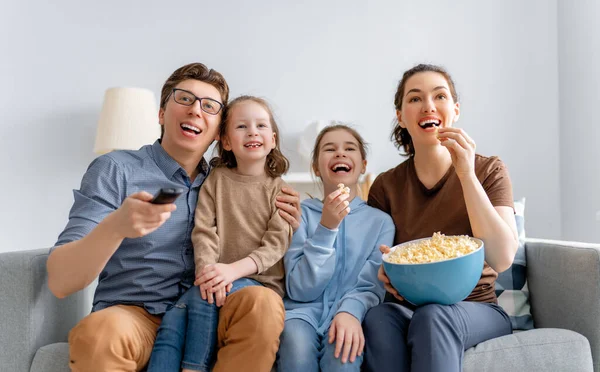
{"points": [[190, 128]]}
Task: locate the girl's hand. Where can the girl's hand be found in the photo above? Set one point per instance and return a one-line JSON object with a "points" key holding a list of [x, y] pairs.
{"points": [[461, 148], [289, 206], [207, 296], [335, 208], [215, 277], [220, 297], [347, 332], [381, 275]]}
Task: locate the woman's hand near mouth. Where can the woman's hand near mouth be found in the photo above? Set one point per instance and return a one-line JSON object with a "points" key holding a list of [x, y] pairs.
{"points": [[461, 148]]}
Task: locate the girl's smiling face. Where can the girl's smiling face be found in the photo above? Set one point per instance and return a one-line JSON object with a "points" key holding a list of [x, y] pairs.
{"points": [[427, 104], [249, 134], [340, 160]]}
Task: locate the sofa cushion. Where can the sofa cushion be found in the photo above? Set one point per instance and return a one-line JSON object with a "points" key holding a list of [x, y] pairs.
{"points": [[51, 358], [511, 285], [544, 349]]}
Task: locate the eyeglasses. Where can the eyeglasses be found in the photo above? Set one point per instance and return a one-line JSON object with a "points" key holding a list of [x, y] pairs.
{"points": [[208, 105]]}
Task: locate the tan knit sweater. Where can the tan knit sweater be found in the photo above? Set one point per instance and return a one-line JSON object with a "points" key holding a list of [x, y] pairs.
{"points": [[236, 218]]}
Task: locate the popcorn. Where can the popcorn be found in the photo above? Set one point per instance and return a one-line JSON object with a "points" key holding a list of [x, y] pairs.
{"points": [[343, 188], [437, 135], [437, 248]]}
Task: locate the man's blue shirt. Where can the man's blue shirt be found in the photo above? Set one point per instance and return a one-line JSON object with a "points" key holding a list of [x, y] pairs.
{"points": [[154, 270]]}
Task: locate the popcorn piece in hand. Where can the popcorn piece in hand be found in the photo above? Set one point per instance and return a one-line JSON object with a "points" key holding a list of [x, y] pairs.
{"points": [[343, 188], [437, 135]]}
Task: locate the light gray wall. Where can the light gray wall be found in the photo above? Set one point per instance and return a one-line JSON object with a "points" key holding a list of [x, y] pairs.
{"points": [[319, 60], [579, 66]]}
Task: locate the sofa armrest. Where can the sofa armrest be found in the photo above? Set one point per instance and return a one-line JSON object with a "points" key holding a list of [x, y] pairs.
{"points": [[564, 285], [30, 315]]}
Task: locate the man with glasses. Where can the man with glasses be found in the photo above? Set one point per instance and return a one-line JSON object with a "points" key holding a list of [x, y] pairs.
{"points": [[208, 105], [142, 252]]}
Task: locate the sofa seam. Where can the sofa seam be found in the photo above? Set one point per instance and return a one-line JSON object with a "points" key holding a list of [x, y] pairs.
{"points": [[533, 344]]}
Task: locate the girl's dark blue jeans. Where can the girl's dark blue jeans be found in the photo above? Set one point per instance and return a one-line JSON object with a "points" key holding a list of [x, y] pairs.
{"points": [[187, 336]]}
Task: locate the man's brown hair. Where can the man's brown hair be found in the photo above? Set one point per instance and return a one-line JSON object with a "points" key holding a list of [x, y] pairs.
{"points": [[195, 71]]}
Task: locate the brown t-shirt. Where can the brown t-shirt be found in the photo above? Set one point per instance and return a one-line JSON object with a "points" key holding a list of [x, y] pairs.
{"points": [[418, 212]]}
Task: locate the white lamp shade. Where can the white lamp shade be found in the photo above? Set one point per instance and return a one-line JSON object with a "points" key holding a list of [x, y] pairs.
{"points": [[128, 121]]}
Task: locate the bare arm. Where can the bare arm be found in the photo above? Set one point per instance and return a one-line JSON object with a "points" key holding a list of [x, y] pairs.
{"points": [[494, 225], [73, 266]]}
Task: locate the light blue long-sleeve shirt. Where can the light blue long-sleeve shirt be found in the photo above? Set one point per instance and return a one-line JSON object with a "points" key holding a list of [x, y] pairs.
{"points": [[333, 271]]}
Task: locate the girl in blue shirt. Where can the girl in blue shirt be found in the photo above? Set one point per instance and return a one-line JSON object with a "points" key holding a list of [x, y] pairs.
{"points": [[331, 265]]}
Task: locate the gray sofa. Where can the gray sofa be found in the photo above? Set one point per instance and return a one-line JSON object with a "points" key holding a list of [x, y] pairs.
{"points": [[563, 279]]}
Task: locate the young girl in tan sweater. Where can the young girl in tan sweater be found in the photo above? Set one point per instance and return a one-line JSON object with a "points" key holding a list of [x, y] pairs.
{"points": [[239, 241]]}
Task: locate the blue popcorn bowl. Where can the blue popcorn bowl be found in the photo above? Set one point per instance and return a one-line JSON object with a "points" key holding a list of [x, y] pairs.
{"points": [[442, 282]]}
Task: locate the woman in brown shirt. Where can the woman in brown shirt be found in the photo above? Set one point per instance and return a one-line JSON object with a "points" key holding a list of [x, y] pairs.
{"points": [[442, 186]]}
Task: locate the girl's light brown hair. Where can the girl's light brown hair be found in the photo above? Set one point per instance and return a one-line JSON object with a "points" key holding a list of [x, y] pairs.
{"points": [[400, 136], [276, 165], [193, 71], [362, 145]]}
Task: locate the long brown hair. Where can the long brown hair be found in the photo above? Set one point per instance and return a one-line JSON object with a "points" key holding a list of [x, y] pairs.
{"points": [[195, 71], [400, 136], [276, 165]]}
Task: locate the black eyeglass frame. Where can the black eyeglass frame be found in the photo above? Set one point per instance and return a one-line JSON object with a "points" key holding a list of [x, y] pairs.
{"points": [[196, 98]]}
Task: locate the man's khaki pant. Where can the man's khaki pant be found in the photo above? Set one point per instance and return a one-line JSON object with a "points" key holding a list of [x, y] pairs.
{"points": [[120, 338]]}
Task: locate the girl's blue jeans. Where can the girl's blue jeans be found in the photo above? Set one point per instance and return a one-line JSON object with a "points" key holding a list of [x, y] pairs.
{"points": [[302, 349], [187, 336]]}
